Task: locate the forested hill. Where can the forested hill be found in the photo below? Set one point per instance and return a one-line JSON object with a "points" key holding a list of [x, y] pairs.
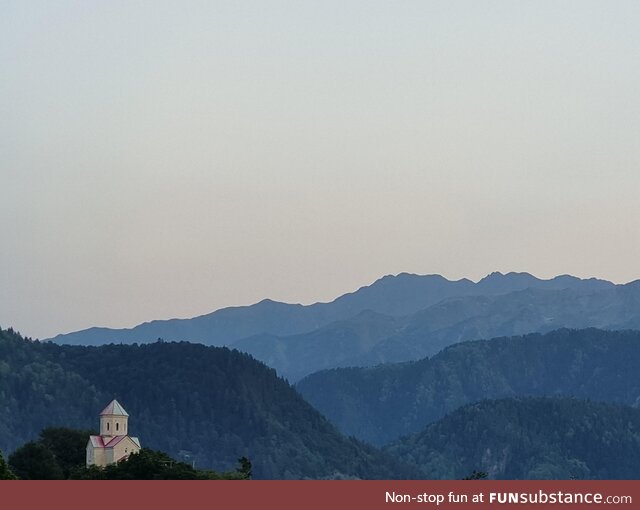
{"points": [[383, 403], [213, 404], [531, 438]]}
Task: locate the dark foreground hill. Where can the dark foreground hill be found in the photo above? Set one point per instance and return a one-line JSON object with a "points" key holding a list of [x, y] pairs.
{"points": [[383, 403], [211, 404], [531, 438]]}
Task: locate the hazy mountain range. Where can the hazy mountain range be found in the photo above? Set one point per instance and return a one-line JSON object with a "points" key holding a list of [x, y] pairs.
{"points": [[401, 364], [397, 318]]}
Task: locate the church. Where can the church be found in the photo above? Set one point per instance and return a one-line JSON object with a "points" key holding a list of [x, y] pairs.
{"points": [[114, 442]]}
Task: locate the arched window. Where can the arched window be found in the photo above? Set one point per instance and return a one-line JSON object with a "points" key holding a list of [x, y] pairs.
{"points": [[117, 427], [107, 425]]}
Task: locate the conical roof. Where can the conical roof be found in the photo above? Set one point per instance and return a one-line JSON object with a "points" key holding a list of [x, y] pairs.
{"points": [[114, 409]]}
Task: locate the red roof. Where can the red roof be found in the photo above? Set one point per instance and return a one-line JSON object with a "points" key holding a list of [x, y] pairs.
{"points": [[98, 441], [114, 441]]}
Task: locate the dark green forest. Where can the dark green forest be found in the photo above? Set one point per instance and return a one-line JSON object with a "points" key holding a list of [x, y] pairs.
{"points": [[54, 455], [59, 454], [210, 405], [382, 403], [531, 438], [153, 465]]}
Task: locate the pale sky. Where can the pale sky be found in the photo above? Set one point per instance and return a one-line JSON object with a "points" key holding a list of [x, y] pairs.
{"points": [[166, 159]]}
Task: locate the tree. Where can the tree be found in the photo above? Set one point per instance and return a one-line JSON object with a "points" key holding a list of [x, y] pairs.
{"points": [[245, 468], [34, 461], [476, 475], [5, 472], [68, 447]]}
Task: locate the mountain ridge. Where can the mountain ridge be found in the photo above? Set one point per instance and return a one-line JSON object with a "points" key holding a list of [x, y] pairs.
{"points": [[452, 320], [399, 295], [380, 404]]}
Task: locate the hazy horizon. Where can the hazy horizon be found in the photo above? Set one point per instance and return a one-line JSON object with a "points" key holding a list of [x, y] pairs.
{"points": [[169, 159], [327, 300]]}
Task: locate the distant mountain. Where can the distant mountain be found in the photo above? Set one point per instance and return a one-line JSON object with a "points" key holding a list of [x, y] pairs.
{"points": [[383, 403], [210, 404], [532, 438], [334, 345], [526, 311], [452, 320], [219, 328], [396, 296]]}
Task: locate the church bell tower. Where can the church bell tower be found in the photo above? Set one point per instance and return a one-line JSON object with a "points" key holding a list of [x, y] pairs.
{"points": [[114, 420]]}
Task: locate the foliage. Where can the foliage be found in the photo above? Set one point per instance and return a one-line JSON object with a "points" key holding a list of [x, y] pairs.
{"points": [[68, 446], [36, 393], [383, 403], [34, 461], [57, 452], [60, 454], [476, 475], [530, 438], [210, 407], [153, 465], [245, 469], [5, 471]]}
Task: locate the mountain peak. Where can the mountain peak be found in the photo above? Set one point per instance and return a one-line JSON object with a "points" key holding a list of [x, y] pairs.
{"points": [[271, 302], [497, 275]]}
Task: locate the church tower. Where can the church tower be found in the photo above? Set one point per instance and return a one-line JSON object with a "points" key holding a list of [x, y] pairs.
{"points": [[114, 420]]}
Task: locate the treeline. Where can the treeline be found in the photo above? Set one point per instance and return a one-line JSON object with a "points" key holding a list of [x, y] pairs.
{"points": [[59, 454], [531, 438]]}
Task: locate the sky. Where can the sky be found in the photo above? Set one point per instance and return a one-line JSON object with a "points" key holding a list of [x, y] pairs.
{"points": [[166, 159]]}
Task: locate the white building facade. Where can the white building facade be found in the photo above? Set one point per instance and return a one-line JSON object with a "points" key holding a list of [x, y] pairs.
{"points": [[114, 442]]}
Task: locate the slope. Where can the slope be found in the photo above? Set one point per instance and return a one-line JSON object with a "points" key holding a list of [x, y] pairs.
{"points": [[383, 403], [531, 438]]}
